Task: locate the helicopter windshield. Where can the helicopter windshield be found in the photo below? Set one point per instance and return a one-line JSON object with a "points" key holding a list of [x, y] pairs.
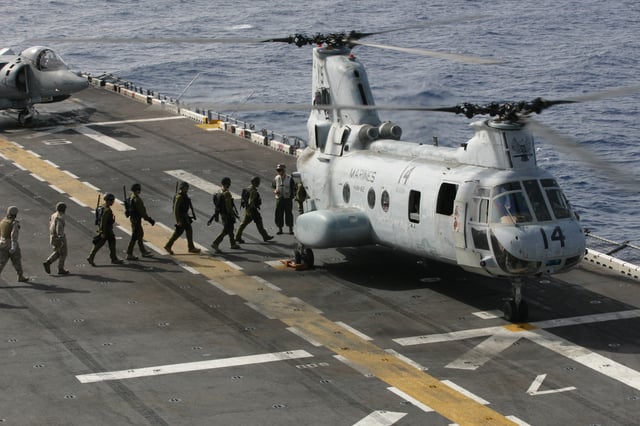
{"points": [[524, 202], [510, 207], [48, 60]]}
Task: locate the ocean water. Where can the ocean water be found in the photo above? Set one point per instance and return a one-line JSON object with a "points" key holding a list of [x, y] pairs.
{"points": [[555, 49]]}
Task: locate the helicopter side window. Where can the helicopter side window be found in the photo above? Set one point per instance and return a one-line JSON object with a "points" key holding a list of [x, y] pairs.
{"points": [[446, 197], [414, 206], [537, 200], [483, 211], [371, 198], [511, 208], [384, 201]]}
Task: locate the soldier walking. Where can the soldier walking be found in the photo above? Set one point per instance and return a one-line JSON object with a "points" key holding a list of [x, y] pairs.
{"points": [[58, 240], [105, 233], [137, 212], [181, 206], [9, 247], [225, 209], [252, 205]]}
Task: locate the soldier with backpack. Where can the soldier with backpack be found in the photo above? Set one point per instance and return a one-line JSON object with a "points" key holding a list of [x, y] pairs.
{"points": [[181, 206], [136, 211], [105, 221], [251, 202], [225, 209]]}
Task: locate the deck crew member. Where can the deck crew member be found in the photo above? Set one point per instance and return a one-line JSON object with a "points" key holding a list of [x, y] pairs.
{"points": [[58, 240], [284, 190], [9, 247]]}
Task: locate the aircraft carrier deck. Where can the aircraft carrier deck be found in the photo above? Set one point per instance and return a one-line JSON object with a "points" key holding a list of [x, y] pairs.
{"points": [[369, 337]]}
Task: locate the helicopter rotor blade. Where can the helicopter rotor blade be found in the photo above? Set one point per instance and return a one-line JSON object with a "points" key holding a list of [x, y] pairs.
{"points": [[433, 53], [147, 40], [576, 150], [428, 24]]}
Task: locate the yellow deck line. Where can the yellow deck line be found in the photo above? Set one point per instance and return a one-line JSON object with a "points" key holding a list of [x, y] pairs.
{"points": [[418, 384]]}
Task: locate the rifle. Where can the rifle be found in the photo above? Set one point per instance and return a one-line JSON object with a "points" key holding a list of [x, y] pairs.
{"points": [[127, 202], [98, 212]]}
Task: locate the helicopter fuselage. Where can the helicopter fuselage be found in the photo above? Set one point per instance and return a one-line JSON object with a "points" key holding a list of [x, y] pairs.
{"points": [[485, 206]]}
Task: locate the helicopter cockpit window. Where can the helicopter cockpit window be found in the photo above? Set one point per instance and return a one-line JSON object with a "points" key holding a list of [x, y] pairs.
{"points": [[537, 200], [47, 60], [511, 208], [559, 204]]}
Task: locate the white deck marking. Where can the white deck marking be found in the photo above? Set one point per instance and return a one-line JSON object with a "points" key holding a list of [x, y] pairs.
{"points": [[103, 139], [197, 182], [486, 350], [517, 421], [448, 337], [359, 368], [140, 120], [499, 341], [597, 362], [266, 283], [533, 389], [354, 331], [407, 360], [380, 418], [465, 392], [304, 336], [192, 366], [406, 397]]}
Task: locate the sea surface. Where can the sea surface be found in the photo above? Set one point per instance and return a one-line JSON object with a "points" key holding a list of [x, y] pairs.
{"points": [[555, 49]]}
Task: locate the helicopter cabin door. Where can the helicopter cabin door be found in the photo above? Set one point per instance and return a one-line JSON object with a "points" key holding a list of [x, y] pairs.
{"points": [[462, 214]]}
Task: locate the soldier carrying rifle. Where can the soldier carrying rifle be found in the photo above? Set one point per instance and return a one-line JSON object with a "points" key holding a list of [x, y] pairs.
{"points": [[181, 206]]}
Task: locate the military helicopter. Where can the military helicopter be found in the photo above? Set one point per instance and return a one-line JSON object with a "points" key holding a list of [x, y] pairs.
{"points": [[35, 75], [485, 206]]}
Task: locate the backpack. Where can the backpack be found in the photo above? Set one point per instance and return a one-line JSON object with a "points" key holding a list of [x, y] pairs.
{"points": [[244, 198], [99, 213], [218, 201], [128, 207]]}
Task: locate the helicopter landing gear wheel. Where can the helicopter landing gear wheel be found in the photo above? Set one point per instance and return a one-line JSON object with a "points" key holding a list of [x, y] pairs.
{"points": [[25, 116], [304, 256], [516, 309]]}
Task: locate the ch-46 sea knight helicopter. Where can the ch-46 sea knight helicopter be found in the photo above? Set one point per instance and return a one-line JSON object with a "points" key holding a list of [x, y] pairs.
{"points": [[35, 75], [485, 206]]}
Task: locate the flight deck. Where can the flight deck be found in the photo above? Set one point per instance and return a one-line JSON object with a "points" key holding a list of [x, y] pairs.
{"points": [[370, 336]]}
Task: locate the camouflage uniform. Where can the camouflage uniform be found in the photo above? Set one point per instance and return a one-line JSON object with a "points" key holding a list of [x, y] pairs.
{"points": [[138, 212], [252, 212], [181, 206], [105, 232]]}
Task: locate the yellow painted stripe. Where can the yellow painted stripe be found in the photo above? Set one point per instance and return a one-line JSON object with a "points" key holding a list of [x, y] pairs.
{"points": [[427, 389]]}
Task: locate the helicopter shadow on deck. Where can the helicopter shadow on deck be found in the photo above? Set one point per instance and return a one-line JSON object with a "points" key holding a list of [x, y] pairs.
{"points": [[549, 298]]}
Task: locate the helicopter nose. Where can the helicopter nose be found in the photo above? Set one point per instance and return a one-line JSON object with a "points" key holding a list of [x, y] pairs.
{"points": [[546, 248]]}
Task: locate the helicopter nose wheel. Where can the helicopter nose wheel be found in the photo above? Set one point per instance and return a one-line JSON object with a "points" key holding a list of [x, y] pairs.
{"points": [[303, 256], [516, 309]]}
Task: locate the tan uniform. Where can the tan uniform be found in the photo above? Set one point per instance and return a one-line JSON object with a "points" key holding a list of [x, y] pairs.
{"points": [[58, 240], [9, 247]]}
